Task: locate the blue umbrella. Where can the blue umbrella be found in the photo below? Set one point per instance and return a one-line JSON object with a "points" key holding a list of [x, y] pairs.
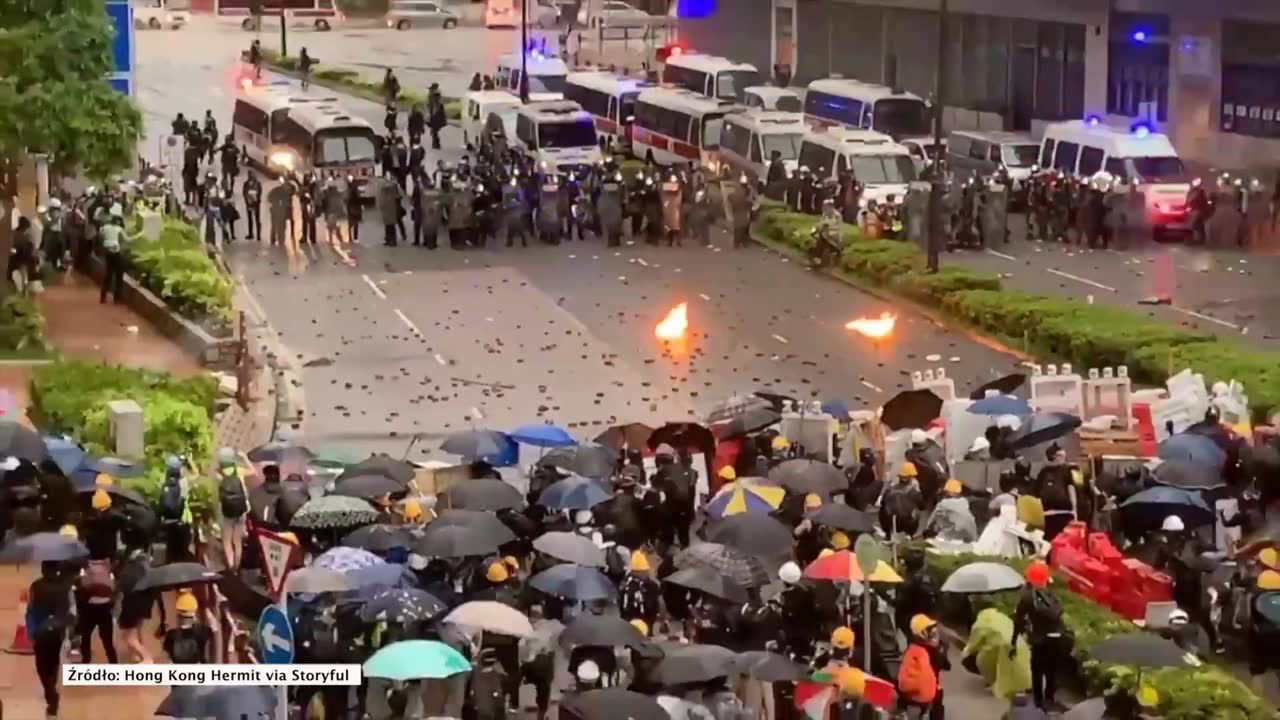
{"points": [[1042, 428], [836, 408], [573, 493], [476, 444], [1192, 448], [574, 582], [1001, 405], [346, 559], [43, 546], [545, 435], [65, 453], [226, 701]]}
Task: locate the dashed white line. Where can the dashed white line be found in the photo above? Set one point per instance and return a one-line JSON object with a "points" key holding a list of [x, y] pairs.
{"points": [[440, 359], [1206, 318], [705, 297], [374, 286], [408, 323], [870, 386], [1084, 280], [781, 339], [1002, 255]]}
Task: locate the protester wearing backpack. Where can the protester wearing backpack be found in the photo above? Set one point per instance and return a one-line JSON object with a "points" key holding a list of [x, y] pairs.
{"points": [[95, 600], [189, 642], [135, 605], [1039, 616], [233, 501], [102, 527], [48, 617], [678, 483], [175, 514]]}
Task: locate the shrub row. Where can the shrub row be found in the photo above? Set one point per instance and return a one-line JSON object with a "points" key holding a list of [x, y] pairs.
{"points": [[177, 268], [1201, 693], [350, 81], [21, 325], [1061, 329], [71, 396]]}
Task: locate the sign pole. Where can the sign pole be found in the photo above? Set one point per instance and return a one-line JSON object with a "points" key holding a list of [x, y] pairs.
{"points": [[277, 554], [867, 552], [282, 691]]}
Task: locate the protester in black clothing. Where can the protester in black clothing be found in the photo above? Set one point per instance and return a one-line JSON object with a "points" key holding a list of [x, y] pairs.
{"points": [[102, 528], [95, 592], [865, 487], [476, 83], [135, 605], [417, 124], [918, 593], [190, 642], [1057, 492], [48, 618], [251, 191], [355, 210], [436, 120], [1039, 617]]}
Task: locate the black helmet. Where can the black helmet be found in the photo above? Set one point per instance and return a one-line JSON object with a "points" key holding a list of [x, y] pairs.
{"points": [[1022, 466]]}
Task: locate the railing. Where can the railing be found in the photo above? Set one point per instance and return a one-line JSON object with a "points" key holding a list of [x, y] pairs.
{"points": [[244, 365]]}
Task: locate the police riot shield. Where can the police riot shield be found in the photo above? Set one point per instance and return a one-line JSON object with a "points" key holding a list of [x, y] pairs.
{"points": [[994, 217], [1258, 217], [916, 212], [1135, 217]]}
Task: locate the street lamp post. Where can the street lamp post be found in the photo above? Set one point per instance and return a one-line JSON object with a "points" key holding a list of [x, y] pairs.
{"points": [[935, 182], [524, 51], [284, 30]]}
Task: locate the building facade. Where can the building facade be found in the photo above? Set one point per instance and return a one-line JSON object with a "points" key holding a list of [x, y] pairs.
{"points": [[1207, 72]]}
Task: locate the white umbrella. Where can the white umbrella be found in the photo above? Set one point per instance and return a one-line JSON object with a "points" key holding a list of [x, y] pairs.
{"points": [[316, 580], [983, 577], [491, 616]]}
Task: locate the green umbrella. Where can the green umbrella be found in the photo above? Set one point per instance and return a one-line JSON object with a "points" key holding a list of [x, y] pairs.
{"points": [[415, 659], [333, 457]]}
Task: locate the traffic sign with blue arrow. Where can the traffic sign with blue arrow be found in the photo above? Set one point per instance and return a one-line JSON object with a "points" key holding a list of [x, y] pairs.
{"points": [[275, 636]]}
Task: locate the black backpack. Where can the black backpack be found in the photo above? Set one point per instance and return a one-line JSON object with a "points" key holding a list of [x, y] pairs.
{"points": [[681, 485], [186, 649], [231, 496], [171, 505], [1046, 613]]}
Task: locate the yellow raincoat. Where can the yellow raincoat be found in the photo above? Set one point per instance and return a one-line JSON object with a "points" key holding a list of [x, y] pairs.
{"points": [[988, 649]]}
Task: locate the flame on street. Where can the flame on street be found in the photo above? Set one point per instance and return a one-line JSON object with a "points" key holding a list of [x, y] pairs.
{"points": [[674, 325], [874, 328]]}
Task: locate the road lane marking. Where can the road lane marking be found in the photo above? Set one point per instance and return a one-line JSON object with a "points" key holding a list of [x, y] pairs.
{"points": [[869, 385], [705, 297], [440, 359], [408, 323], [781, 339], [1002, 255], [1207, 318], [1079, 279], [376, 290]]}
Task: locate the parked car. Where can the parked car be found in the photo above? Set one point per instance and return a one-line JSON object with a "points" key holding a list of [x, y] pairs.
{"points": [[614, 13], [405, 14]]}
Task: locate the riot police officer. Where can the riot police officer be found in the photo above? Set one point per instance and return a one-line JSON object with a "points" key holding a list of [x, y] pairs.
{"points": [[308, 193], [461, 215], [550, 223], [427, 224], [609, 207], [515, 212]]}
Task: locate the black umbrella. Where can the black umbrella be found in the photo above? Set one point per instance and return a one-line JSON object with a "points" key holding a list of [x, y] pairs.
{"points": [[683, 434], [279, 452], [756, 534], [735, 405], [600, 630], [223, 701], [1140, 649], [769, 667], [379, 538], [1187, 475], [575, 583], [776, 401], [752, 420], [176, 575], [593, 461], [708, 581], [118, 493], [911, 409], [612, 704], [842, 517], [570, 547], [402, 605], [384, 465], [367, 486], [1041, 428], [22, 442], [482, 494], [456, 541], [744, 569], [803, 475], [476, 444], [1146, 510], [631, 435], [1003, 386], [482, 520], [693, 664]]}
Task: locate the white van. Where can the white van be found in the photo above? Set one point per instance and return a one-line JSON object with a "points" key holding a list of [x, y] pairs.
{"points": [[771, 97], [882, 166], [749, 139], [546, 76], [158, 14], [1138, 156], [478, 105], [982, 153], [557, 135]]}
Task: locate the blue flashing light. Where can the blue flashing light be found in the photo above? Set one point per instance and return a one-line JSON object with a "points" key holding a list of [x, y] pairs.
{"points": [[1140, 130], [695, 8], [1140, 36], [1093, 121]]}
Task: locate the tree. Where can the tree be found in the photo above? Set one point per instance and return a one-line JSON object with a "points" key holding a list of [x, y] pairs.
{"points": [[55, 56]]}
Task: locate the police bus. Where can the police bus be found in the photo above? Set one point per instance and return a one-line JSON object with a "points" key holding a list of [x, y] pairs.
{"points": [[611, 100], [288, 133], [557, 135], [679, 126], [709, 75], [749, 139], [853, 104], [882, 166], [546, 75]]}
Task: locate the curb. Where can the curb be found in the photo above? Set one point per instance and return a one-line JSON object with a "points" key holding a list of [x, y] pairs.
{"points": [[884, 295]]}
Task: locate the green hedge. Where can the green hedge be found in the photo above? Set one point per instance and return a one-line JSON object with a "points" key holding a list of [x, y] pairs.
{"points": [[71, 396], [350, 81], [1055, 328], [1208, 692], [21, 326], [177, 268]]}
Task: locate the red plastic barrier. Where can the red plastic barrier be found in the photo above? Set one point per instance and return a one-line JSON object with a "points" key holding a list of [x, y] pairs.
{"points": [[1096, 569]]}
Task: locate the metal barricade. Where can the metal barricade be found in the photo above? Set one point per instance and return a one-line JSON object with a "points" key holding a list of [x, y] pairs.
{"points": [[993, 218]]}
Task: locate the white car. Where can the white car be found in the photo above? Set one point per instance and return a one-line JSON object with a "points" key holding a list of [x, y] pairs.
{"points": [[506, 14], [405, 14], [158, 14], [616, 14]]}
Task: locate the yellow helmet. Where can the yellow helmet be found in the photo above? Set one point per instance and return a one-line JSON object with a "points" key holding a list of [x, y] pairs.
{"points": [[920, 624], [1269, 557], [641, 625], [411, 510], [1148, 696], [1269, 580], [101, 500], [842, 638], [728, 473], [511, 562], [639, 562], [812, 501], [186, 603], [497, 573], [103, 480], [826, 552], [953, 487], [69, 531], [781, 443], [908, 469], [839, 540], [287, 535], [852, 681]]}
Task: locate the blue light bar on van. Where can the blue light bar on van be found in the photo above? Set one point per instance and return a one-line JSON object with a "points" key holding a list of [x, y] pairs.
{"points": [[1140, 130], [1093, 121]]}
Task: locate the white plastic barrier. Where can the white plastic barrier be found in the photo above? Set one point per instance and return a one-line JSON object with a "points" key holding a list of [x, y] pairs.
{"points": [[1056, 390], [1108, 391], [1186, 405], [963, 427], [811, 428], [935, 380]]}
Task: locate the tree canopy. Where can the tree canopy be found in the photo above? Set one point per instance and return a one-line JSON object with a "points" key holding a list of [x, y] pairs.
{"points": [[55, 56]]}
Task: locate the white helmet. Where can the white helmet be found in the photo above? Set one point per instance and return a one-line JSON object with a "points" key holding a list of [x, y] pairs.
{"points": [[55, 203], [1173, 523], [582, 517], [588, 671], [919, 437], [789, 573]]}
